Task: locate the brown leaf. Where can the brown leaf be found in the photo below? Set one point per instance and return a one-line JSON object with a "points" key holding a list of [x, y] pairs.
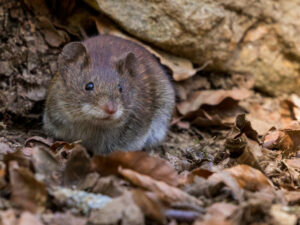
{"points": [[251, 155], [39, 7], [282, 216], [46, 164], [53, 36], [150, 204], [204, 119], [221, 178], [65, 218], [165, 192], [27, 192], [294, 163], [122, 210], [286, 140], [292, 197], [8, 217], [28, 219], [112, 186], [30, 142], [198, 172], [18, 156], [249, 178], [77, 167], [210, 97], [138, 161], [218, 214], [246, 128]]}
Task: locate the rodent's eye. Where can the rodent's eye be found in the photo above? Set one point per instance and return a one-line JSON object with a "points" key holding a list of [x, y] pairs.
{"points": [[89, 86], [120, 88]]}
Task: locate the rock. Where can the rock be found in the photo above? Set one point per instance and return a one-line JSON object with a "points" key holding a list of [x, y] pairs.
{"points": [[248, 37]]}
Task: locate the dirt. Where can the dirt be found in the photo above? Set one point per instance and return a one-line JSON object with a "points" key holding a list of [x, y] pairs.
{"points": [[215, 166]]}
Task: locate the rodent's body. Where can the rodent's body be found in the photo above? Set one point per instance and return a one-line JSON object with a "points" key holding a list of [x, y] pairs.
{"points": [[129, 106]]}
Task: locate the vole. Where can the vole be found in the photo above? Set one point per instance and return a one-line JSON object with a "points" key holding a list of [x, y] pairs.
{"points": [[111, 93]]}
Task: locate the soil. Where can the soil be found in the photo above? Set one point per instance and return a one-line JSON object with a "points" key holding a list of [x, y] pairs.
{"points": [[29, 47]]}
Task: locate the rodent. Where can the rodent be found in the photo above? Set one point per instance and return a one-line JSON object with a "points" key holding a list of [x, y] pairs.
{"points": [[111, 93]]}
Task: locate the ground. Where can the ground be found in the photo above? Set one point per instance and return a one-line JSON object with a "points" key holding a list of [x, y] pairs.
{"points": [[230, 157]]}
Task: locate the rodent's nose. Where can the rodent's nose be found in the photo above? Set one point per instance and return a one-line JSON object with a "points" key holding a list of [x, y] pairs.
{"points": [[110, 108]]}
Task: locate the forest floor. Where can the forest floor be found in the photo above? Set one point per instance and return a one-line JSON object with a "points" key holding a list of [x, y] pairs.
{"points": [[231, 155]]}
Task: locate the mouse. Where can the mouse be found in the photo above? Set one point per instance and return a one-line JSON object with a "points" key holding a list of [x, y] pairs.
{"points": [[110, 93]]}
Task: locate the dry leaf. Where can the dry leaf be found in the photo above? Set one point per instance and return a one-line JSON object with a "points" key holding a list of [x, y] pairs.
{"points": [[281, 216], [246, 128], [27, 192], [210, 97], [150, 204], [252, 154], [294, 163], [218, 214], [47, 165], [165, 192], [138, 161], [65, 218], [32, 141], [122, 210], [292, 197], [8, 217], [250, 179], [198, 172], [18, 156], [287, 140], [77, 167], [28, 219], [112, 186]]}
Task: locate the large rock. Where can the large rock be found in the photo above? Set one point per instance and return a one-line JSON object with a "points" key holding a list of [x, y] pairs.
{"points": [[259, 37]]}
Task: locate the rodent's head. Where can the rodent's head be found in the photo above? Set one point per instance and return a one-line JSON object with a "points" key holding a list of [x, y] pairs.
{"points": [[93, 91]]}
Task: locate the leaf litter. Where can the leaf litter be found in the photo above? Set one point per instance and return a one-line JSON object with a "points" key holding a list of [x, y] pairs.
{"points": [[231, 156]]}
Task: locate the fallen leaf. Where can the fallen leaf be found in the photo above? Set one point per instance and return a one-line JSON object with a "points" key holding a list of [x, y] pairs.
{"points": [[252, 154], [223, 178], [198, 172], [65, 218], [210, 97], [46, 164], [112, 186], [165, 192], [250, 179], [27, 192], [8, 217], [281, 216], [150, 204], [286, 140], [246, 128], [30, 142], [18, 156], [53, 36], [138, 161], [77, 167], [122, 210], [218, 214], [27, 218], [39, 7], [294, 163], [292, 197]]}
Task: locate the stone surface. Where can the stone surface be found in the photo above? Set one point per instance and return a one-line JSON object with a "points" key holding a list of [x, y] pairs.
{"points": [[246, 36]]}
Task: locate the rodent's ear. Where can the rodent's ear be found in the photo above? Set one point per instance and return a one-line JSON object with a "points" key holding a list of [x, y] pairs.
{"points": [[72, 53], [127, 62]]}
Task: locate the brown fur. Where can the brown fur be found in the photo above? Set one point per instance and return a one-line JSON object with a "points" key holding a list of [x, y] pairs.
{"points": [[147, 97]]}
